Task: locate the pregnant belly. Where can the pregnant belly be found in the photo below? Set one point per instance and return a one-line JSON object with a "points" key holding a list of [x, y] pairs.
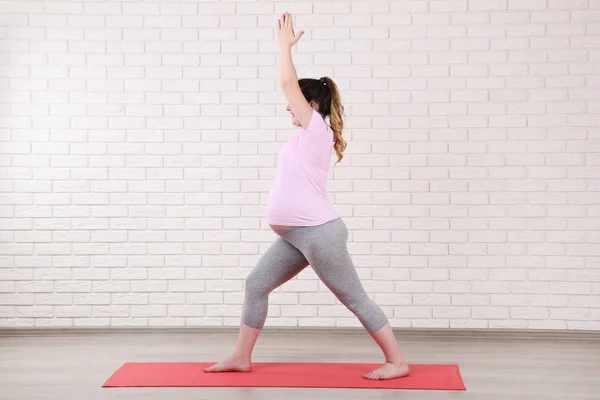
{"points": [[280, 228]]}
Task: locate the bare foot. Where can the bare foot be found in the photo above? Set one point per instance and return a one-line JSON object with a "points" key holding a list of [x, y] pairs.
{"points": [[230, 365], [388, 371]]}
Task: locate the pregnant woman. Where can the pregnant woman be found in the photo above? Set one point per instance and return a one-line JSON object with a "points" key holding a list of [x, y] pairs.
{"points": [[310, 232]]}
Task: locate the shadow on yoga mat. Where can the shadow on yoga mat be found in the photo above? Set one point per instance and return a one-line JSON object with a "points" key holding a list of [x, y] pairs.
{"points": [[307, 375]]}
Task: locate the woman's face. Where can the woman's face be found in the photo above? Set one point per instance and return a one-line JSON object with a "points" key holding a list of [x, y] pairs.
{"points": [[294, 119]]}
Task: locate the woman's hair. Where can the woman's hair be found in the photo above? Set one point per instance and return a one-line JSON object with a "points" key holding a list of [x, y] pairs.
{"points": [[325, 93]]}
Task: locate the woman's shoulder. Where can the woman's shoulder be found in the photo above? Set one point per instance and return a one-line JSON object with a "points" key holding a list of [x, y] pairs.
{"points": [[318, 127]]}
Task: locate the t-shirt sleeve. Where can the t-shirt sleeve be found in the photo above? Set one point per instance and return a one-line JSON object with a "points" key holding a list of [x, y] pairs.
{"points": [[318, 130], [319, 139]]}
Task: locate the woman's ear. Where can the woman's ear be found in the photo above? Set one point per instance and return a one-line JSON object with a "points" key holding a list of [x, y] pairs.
{"points": [[314, 105]]}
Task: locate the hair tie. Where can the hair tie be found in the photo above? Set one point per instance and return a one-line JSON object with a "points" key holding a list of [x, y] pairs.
{"points": [[323, 81]]}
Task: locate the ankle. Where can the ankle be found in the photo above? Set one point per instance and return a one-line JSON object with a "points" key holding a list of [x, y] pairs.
{"points": [[398, 362], [241, 357]]}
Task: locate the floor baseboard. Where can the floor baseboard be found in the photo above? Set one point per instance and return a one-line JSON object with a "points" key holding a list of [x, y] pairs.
{"points": [[282, 331]]}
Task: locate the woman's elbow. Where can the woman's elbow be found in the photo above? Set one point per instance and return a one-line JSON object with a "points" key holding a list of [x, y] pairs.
{"points": [[285, 83]]}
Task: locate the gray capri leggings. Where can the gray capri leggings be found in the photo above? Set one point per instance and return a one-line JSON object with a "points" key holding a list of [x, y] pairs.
{"points": [[324, 248]]}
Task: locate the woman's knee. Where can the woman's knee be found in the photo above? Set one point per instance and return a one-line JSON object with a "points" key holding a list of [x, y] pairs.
{"points": [[255, 285], [368, 312], [251, 284], [354, 300]]}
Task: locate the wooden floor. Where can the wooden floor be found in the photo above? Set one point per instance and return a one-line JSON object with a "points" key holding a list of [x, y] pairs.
{"points": [[73, 367]]}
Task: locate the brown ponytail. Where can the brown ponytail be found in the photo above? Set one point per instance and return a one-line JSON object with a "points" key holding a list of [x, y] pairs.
{"points": [[325, 92], [336, 119]]}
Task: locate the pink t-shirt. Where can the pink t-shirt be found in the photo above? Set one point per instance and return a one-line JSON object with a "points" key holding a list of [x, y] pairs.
{"points": [[298, 194]]}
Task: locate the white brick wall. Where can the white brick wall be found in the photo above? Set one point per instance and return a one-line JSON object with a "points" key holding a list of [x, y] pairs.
{"points": [[138, 140]]}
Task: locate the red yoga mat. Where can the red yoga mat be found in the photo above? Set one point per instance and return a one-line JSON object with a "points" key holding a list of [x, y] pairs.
{"points": [[311, 375]]}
